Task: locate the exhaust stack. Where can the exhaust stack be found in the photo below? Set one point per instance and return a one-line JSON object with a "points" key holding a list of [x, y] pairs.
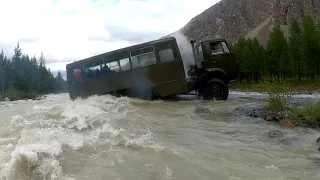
{"points": [[194, 52]]}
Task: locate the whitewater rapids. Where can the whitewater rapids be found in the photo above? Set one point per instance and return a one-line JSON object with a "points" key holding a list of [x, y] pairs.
{"points": [[129, 139]]}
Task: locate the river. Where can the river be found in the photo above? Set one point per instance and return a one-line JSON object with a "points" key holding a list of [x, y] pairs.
{"points": [[129, 139]]}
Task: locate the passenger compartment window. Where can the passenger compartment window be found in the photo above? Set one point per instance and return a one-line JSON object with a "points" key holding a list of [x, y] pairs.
{"points": [[114, 66], [166, 53], [125, 64], [93, 69], [135, 62], [143, 57], [100, 68]]}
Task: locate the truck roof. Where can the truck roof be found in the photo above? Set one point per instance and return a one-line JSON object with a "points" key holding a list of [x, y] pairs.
{"points": [[121, 49], [214, 40]]}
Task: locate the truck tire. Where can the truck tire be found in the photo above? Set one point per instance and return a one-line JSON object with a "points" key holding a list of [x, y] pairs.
{"points": [[215, 89]]}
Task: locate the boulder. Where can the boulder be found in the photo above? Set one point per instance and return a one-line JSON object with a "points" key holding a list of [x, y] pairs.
{"points": [[275, 134], [318, 140], [288, 124]]}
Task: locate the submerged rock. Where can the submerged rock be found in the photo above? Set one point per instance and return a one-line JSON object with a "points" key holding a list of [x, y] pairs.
{"points": [[252, 112], [275, 134], [318, 140], [202, 110]]}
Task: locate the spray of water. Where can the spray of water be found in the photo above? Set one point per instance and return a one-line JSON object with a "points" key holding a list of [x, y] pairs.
{"points": [[185, 50]]}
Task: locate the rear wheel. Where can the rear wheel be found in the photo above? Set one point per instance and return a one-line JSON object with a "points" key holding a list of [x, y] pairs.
{"points": [[215, 89]]}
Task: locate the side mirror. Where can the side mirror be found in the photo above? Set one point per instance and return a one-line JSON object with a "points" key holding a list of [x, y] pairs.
{"points": [[192, 41]]}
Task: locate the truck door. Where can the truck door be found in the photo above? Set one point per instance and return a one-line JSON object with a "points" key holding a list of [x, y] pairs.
{"points": [[218, 55]]}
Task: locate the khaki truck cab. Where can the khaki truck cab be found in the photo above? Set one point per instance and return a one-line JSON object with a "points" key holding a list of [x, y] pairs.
{"points": [[215, 68]]}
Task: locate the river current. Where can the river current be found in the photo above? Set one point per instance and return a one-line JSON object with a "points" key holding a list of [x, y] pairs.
{"points": [[108, 138]]}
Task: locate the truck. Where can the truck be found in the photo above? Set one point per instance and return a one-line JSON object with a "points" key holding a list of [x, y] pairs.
{"points": [[156, 70]]}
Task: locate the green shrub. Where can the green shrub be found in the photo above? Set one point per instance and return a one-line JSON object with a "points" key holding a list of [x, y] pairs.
{"points": [[14, 95], [279, 94], [307, 116]]}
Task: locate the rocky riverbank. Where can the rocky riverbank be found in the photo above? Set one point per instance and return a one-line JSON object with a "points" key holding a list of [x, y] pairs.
{"points": [[283, 118], [289, 117]]}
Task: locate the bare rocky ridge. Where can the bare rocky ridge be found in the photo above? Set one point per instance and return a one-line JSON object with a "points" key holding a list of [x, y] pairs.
{"points": [[232, 19]]}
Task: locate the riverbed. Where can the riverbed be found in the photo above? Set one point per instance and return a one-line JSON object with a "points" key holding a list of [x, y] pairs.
{"points": [[124, 139]]}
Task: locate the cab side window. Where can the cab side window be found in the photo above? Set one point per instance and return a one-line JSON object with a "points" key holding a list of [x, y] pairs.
{"points": [[216, 48], [225, 47]]}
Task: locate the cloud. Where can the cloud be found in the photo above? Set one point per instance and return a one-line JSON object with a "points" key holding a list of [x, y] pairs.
{"points": [[118, 32], [63, 73], [69, 30]]}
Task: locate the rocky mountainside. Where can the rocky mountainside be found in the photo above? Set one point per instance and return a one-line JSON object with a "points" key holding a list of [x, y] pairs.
{"points": [[232, 19]]}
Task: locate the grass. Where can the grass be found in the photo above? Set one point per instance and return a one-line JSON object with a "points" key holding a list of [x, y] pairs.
{"points": [[308, 116], [14, 95], [294, 86]]}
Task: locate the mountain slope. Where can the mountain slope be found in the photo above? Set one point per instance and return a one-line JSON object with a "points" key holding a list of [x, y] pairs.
{"points": [[232, 19]]}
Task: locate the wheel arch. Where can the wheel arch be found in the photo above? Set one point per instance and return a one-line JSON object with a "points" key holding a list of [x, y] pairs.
{"points": [[216, 73]]}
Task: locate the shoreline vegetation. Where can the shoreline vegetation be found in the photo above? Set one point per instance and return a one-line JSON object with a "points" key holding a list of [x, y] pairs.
{"points": [[279, 107], [287, 66], [24, 77], [296, 87], [293, 56]]}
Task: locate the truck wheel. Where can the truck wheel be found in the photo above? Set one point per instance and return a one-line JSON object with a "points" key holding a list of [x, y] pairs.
{"points": [[216, 89]]}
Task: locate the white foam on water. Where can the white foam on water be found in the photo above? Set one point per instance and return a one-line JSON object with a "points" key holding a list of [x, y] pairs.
{"points": [[34, 146], [42, 139]]}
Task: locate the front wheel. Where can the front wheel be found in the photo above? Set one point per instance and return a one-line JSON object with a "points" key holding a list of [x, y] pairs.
{"points": [[216, 89]]}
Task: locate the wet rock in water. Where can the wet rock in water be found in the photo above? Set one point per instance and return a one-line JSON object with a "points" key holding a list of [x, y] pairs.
{"points": [[268, 118], [288, 124], [252, 112], [202, 110], [275, 134], [257, 113], [289, 141]]}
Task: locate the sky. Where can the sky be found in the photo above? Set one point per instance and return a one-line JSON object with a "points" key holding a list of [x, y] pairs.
{"points": [[70, 30]]}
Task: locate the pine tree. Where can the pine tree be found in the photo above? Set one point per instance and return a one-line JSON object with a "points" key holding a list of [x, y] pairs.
{"points": [[309, 46], [274, 50], [317, 47], [295, 36], [286, 62], [2, 71], [258, 64]]}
